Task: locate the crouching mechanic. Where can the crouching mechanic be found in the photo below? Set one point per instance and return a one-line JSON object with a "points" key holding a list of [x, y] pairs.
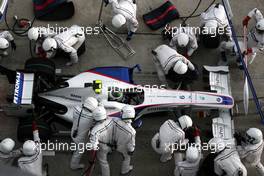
{"points": [[101, 138], [125, 13], [256, 34], [31, 162], [175, 66], [38, 35], [214, 24], [250, 149], [170, 134], [184, 39], [7, 152], [6, 38], [71, 42], [226, 161], [82, 124], [190, 166], [229, 49], [113, 134]]}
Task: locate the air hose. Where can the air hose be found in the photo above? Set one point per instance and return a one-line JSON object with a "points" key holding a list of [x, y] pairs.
{"points": [[19, 24], [192, 14]]}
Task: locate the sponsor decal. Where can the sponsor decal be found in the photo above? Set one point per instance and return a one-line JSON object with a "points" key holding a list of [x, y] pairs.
{"points": [[155, 109], [182, 97], [97, 86], [218, 100], [202, 98], [221, 131], [18, 88], [76, 96]]}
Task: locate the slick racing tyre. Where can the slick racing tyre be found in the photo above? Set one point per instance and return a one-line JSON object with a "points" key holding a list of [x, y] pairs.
{"points": [[24, 130], [43, 67]]}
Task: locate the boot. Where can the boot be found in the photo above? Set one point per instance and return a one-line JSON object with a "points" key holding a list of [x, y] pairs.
{"points": [[260, 169], [165, 157], [75, 161], [129, 35], [126, 167]]}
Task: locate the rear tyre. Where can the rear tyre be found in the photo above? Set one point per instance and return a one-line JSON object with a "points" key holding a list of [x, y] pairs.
{"points": [[43, 67], [24, 130]]}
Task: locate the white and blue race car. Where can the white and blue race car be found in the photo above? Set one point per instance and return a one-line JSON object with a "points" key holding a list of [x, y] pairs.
{"points": [[38, 85]]}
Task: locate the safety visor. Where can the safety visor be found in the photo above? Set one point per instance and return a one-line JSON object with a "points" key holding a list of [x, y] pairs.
{"points": [[209, 31], [181, 48], [249, 139], [51, 50], [259, 31], [87, 109], [3, 49]]}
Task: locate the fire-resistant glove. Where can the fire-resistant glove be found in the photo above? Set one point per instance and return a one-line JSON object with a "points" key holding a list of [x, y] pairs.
{"points": [[246, 20]]}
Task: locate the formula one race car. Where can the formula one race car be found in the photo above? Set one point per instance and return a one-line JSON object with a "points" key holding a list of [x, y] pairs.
{"points": [[38, 85]]}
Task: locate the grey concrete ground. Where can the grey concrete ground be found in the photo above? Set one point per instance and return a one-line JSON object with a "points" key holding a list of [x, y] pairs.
{"points": [[98, 53]]}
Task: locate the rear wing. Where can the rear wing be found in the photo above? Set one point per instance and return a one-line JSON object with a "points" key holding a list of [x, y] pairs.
{"points": [[23, 92]]}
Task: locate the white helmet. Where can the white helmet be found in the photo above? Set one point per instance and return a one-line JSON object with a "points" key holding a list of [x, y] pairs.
{"points": [[128, 113], [185, 121], [49, 44], [99, 113], [192, 154], [4, 44], [180, 67], [183, 39], [118, 20], [116, 95], [211, 27], [90, 103], [29, 148], [217, 145], [7, 145], [254, 136], [260, 25], [33, 33]]}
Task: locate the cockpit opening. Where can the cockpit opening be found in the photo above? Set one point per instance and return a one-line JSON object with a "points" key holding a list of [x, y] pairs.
{"points": [[131, 96]]}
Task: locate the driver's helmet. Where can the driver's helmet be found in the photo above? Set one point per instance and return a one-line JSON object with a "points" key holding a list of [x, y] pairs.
{"points": [[116, 95]]}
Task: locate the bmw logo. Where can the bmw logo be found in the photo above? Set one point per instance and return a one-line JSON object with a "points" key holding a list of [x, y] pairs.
{"points": [[182, 97]]}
